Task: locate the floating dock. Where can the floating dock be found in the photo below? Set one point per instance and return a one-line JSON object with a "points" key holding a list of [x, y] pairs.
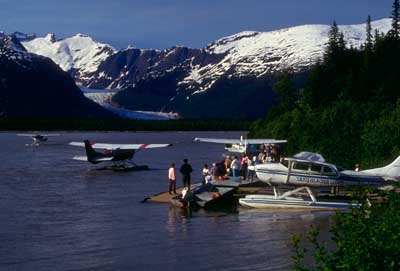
{"points": [[244, 187]]}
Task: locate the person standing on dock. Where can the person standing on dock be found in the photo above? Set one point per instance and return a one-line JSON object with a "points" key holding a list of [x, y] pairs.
{"points": [[206, 174], [172, 179], [245, 165], [235, 166], [186, 170]]}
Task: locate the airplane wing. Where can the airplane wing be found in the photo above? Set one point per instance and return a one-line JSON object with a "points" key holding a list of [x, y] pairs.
{"points": [[38, 134], [265, 141], [50, 135], [121, 146], [238, 141], [310, 156], [84, 158], [26, 134]]}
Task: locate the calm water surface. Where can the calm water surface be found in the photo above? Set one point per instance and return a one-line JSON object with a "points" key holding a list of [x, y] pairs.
{"points": [[59, 214]]}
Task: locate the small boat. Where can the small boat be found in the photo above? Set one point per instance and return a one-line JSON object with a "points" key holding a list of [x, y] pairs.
{"points": [[205, 196], [288, 201]]}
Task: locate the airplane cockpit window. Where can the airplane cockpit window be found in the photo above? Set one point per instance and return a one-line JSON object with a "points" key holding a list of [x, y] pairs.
{"points": [[328, 170], [300, 166], [316, 168]]}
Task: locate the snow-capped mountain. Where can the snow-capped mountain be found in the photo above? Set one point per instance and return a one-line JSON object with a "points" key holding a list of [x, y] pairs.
{"points": [[188, 80], [126, 67], [259, 53], [248, 53], [33, 86], [79, 55]]}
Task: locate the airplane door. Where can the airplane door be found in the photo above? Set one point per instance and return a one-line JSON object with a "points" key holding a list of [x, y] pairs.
{"points": [[302, 173]]}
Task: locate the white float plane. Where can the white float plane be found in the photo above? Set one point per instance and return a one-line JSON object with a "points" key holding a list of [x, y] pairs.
{"points": [[301, 171], [38, 138], [119, 154], [241, 145], [310, 170]]}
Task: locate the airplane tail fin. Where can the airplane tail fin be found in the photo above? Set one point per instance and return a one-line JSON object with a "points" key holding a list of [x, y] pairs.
{"points": [[90, 152], [391, 171]]}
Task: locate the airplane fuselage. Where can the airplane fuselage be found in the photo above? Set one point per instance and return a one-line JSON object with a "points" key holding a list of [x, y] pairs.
{"points": [[302, 173], [120, 155], [115, 155], [39, 138]]}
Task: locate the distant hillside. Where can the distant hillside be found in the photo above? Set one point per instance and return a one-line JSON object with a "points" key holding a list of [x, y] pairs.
{"points": [[33, 86]]}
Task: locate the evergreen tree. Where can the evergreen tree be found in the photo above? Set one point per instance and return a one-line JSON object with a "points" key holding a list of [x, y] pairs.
{"points": [[365, 81], [395, 19], [341, 43], [333, 40], [286, 92], [368, 41]]}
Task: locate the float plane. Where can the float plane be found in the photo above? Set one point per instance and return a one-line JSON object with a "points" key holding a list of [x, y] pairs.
{"points": [[119, 154], [241, 145], [38, 138], [308, 170]]}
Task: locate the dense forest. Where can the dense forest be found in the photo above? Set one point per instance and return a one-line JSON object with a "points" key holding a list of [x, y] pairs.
{"points": [[349, 109]]}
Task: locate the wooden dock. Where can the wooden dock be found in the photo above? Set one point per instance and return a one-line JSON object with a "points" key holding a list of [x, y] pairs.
{"points": [[163, 196], [244, 187]]}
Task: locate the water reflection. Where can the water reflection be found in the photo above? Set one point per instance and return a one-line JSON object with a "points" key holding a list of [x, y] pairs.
{"points": [[178, 216]]}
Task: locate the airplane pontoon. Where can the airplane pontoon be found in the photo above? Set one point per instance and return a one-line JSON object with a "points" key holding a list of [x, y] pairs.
{"points": [[119, 154]]}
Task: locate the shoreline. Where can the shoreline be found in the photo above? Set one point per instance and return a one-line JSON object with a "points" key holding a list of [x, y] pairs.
{"points": [[123, 125]]}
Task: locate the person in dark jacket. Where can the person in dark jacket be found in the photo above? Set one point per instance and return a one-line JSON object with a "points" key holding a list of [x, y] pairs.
{"points": [[186, 170]]}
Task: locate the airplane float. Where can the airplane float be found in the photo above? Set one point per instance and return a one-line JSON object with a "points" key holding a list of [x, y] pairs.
{"points": [[38, 138], [308, 170], [119, 154]]}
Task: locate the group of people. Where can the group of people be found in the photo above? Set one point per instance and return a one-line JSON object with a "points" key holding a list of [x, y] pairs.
{"points": [[269, 153], [229, 166]]}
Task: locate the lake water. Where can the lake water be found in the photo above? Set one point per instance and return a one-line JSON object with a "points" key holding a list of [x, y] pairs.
{"points": [[59, 214]]}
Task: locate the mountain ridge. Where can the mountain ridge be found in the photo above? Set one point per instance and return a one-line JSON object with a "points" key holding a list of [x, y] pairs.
{"points": [[247, 53], [188, 81]]}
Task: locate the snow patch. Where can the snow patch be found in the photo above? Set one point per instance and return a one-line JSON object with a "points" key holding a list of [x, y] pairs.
{"points": [[79, 52]]}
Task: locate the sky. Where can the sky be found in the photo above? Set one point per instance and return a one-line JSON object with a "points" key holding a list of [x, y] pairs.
{"points": [[165, 23]]}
